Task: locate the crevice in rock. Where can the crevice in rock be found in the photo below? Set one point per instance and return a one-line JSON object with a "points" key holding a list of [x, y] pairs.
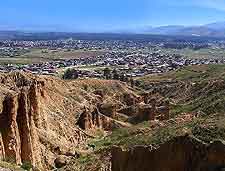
{"points": [[9, 129], [23, 121]]}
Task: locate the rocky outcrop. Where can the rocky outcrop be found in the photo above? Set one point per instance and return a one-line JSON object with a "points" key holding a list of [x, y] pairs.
{"points": [[38, 115], [145, 107], [19, 119], [148, 112], [181, 153], [89, 120], [9, 129], [33, 122], [94, 119]]}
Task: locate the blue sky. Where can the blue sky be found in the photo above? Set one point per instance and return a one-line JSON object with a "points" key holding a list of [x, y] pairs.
{"points": [[106, 15]]}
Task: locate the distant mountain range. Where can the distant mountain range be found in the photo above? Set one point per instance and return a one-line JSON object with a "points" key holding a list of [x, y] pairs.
{"points": [[216, 29]]}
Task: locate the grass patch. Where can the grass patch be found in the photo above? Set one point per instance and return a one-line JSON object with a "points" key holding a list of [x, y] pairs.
{"points": [[87, 159], [189, 73], [204, 53], [177, 109], [208, 128], [10, 166]]}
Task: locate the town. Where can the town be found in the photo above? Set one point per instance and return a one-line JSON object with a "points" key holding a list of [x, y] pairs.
{"points": [[129, 58]]}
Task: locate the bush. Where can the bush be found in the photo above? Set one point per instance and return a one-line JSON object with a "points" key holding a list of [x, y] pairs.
{"points": [[27, 166], [71, 74]]}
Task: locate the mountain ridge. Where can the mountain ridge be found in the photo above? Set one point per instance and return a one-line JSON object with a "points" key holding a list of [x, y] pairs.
{"points": [[216, 29]]}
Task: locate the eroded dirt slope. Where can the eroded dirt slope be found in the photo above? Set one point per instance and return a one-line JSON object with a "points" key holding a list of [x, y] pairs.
{"points": [[39, 116]]}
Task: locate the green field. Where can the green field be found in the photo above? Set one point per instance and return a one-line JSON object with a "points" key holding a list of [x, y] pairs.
{"points": [[209, 53], [45, 55]]}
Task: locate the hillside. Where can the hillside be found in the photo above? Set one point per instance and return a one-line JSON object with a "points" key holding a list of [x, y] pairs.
{"points": [[88, 124], [196, 88], [196, 96], [209, 30], [41, 116]]}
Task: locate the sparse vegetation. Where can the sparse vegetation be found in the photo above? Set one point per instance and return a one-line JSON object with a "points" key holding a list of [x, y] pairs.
{"points": [[194, 88], [10, 166], [206, 98]]}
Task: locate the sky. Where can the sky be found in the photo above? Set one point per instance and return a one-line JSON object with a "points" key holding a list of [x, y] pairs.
{"points": [[106, 15]]}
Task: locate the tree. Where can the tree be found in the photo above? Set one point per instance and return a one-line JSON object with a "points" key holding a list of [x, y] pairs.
{"points": [[137, 83], [107, 73], [126, 79], [71, 74], [132, 82], [122, 77], [115, 75]]}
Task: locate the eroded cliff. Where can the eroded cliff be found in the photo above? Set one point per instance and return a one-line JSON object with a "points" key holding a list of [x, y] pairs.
{"points": [[181, 153], [32, 128], [43, 118]]}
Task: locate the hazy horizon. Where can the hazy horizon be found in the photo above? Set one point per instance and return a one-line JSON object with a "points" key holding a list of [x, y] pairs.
{"points": [[107, 16]]}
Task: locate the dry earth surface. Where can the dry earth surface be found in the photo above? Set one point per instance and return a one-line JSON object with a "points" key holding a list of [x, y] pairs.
{"points": [[172, 121]]}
